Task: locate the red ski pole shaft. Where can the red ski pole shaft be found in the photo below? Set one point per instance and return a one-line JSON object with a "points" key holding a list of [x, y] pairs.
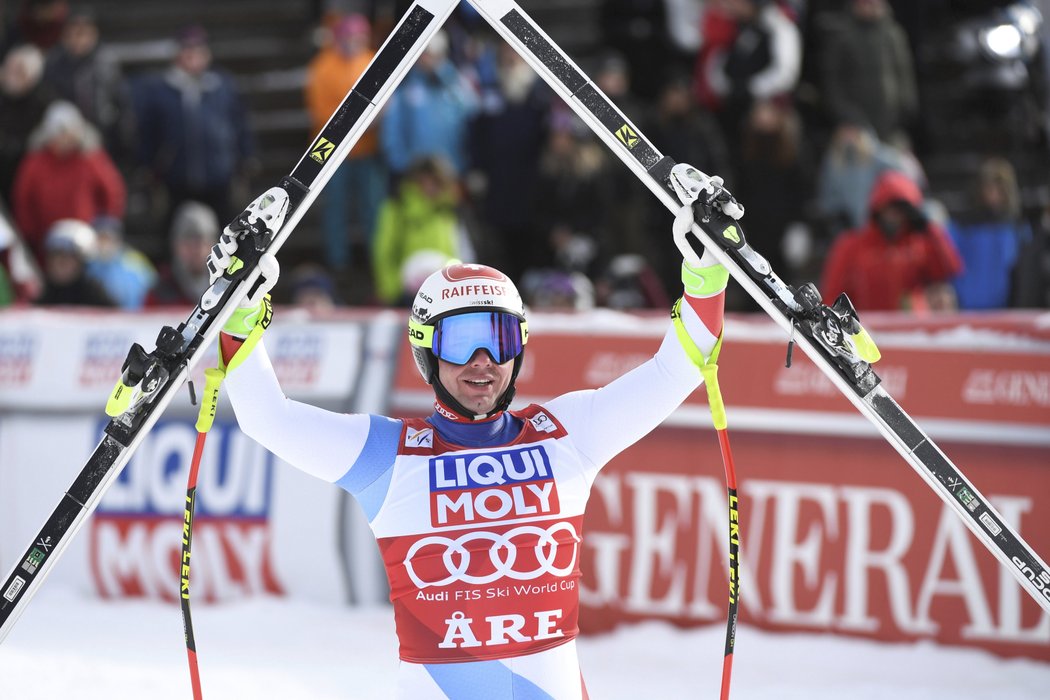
{"points": [[718, 417], [212, 379], [734, 561]]}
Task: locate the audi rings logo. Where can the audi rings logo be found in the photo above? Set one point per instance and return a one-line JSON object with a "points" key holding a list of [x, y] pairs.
{"points": [[502, 553]]}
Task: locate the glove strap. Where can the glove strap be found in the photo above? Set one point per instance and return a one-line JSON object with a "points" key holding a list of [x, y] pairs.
{"points": [[708, 367], [248, 324]]}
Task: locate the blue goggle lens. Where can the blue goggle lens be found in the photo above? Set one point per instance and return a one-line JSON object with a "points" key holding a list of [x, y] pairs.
{"points": [[457, 338]]}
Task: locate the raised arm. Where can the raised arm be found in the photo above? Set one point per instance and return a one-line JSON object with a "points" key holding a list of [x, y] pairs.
{"points": [[319, 442], [603, 422], [352, 450]]}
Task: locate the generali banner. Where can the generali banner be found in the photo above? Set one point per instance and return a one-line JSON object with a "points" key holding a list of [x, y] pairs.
{"points": [[838, 533]]}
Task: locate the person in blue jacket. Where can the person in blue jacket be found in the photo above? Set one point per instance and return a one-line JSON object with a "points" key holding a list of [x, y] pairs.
{"points": [[193, 134], [428, 114], [990, 238]]}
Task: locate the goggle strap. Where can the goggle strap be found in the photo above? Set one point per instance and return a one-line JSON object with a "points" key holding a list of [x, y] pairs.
{"points": [[420, 335]]}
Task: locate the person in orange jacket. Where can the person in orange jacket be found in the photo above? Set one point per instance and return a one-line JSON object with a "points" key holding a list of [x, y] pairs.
{"points": [[360, 181], [898, 260]]}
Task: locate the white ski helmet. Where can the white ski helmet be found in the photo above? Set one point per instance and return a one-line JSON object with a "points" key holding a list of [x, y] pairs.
{"points": [[457, 290]]}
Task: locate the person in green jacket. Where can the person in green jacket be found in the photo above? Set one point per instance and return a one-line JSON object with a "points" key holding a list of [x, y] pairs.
{"points": [[418, 230]]}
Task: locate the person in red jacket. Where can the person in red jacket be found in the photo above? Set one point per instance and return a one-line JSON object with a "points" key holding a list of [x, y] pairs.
{"points": [[65, 175], [898, 260]]}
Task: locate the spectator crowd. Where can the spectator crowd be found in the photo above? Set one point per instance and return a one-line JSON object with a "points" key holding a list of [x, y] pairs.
{"points": [[812, 111]]}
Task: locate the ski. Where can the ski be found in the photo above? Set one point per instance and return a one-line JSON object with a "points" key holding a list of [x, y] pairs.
{"points": [[151, 379], [831, 336]]}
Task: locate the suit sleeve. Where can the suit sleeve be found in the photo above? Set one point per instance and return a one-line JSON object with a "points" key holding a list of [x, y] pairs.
{"points": [[322, 443], [604, 422]]}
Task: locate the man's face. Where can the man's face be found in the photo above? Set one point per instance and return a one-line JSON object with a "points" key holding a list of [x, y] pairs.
{"points": [[192, 251], [14, 77], [478, 384], [194, 58], [80, 37], [63, 267], [892, 220], [869, 10], [63, 142]]}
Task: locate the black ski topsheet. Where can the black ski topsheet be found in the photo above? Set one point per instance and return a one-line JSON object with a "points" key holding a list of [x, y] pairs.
{"points": [[653, 168], [125, 432]]}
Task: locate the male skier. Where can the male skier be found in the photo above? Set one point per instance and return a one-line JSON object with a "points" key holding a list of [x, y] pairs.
{"points": [[477, 509]]}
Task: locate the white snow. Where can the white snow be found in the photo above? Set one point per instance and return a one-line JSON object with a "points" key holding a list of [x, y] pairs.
{"points": [[66, 645]]}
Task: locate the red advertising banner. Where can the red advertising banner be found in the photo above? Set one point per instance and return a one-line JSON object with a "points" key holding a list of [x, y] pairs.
{"points": [[838, 532]]}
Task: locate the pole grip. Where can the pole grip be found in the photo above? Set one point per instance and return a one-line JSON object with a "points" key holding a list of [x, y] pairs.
{"points": [[213, 377]]}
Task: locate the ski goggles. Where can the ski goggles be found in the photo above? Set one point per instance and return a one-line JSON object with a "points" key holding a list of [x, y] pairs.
{"points": [[456, 338]]}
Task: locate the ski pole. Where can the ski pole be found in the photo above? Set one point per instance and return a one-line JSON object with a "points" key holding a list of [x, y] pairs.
{"points": [[213, 377], [718, 417], [709, 370]]}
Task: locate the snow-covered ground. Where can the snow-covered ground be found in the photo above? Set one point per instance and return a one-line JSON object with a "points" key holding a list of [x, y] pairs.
{"points": [[66, 646]]}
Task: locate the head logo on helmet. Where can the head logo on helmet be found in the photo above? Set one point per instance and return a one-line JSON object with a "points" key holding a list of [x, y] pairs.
{"points": [[460, 289]]}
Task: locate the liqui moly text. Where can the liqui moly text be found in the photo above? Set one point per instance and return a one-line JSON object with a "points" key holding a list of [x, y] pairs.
{"points": [[508, 484]]}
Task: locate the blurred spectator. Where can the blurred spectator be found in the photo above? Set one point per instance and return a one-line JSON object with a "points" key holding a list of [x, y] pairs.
{"points": [[22, 280], [23, 99], [868, 75], [421, 217], [70, 246], [717, 31], [637, 29], [612, 75], [506, 140], [762, 62], [683, 28], [1032, 285], [192, 128], [313, 289], [626, 216], [990, 238], [360, 180], [557, 290], [37, 22], [126, 274], [574, 198], [678, 127], [428, 114], [65, 175], [83, 72], [854, 160], [774, 181], [194, 230], [899, 259], [629, 282]]}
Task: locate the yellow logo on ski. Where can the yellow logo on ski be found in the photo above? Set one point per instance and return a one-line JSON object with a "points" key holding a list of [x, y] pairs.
{"points": [[731, 234], [322, 149], [627, 136]]}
